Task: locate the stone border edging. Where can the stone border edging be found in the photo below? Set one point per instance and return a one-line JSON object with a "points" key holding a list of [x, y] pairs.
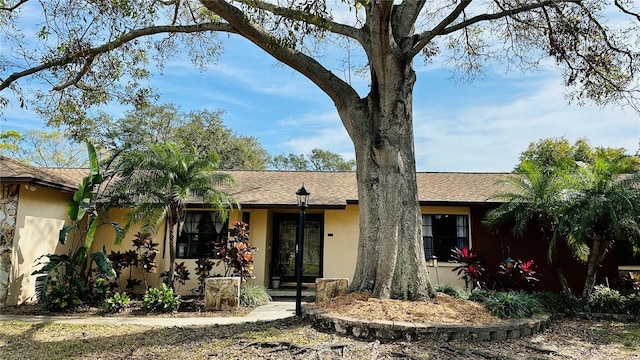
{"points": [[396, 330], [624, 318]]}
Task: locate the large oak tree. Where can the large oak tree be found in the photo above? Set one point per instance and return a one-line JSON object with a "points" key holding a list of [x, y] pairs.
{"points": [[95, 52]]}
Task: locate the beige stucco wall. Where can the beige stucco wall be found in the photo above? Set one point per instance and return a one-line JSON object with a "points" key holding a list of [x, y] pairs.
{"points": [[106, 236], [340, 245], [42, 212], [341, 231]]}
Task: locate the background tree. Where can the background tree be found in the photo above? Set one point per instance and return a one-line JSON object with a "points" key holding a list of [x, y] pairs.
{"points": [[204, 130], [158, 182], [316, 160], [43, 148], [95, 45], [559, 153]]}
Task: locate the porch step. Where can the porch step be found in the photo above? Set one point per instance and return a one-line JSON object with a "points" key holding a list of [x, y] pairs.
{"points": [[290, 291]]}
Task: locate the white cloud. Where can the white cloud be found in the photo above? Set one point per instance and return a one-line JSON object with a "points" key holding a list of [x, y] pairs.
{"points": [[490, 137]]}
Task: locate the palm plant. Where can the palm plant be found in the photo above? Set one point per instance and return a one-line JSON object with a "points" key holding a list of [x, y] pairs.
{"points": [[538, 194], [158, 181], [589, 206], [605, 208]]}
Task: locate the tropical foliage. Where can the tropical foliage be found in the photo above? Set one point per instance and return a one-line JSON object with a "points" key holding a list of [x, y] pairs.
{"points": [[162, 299], [158, 182], [68, 277], [142, 256], [588, 206], [471, 268], [512, 275]]}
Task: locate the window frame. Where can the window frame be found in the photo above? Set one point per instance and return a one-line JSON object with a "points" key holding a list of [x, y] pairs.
{"points": [[185, 241], [465, 217]]}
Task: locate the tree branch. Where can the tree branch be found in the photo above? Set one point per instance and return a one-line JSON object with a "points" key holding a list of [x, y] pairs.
{"points": [[624, 10], [79, 75], [11, 8], [405, 16], [426, 37], [121, 40], [443, 27], [313, 19], [338, 90], [495, 16]]}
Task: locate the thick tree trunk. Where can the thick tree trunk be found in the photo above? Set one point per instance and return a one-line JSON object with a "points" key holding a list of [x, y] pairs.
{"points": [[391, 262]]}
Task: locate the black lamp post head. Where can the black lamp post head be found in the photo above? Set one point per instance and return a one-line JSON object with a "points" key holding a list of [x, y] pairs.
{"points": [[303, 197]]}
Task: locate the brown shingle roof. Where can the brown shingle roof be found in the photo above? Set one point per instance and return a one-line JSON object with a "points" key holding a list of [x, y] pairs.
{"points": [[277, 188], [63, 179], [338, 188]]}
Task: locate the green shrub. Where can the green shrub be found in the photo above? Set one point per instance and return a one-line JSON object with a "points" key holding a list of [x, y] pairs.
{"points": [[632, 304], [61, 296], [512, 305], [453, 291], [116, 303], [557, 304], [254, 295], [606, 300], [162, 299], [479, 295]]}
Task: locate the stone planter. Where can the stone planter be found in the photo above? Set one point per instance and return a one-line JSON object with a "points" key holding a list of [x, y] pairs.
{"points": [[328, 288], [221, 293]]}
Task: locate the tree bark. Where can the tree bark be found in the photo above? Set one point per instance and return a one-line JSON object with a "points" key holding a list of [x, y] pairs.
{"points": [[391, 261]]}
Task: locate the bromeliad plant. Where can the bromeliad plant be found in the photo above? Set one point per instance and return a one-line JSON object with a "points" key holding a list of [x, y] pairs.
{"points": [[471, 268], [69, 276], [522, 275], [235, 253]]}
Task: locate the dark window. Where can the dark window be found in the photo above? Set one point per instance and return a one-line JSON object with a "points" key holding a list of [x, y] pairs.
{"points": [[626, 255], [442, 233], [200, 229], [246, 217]]}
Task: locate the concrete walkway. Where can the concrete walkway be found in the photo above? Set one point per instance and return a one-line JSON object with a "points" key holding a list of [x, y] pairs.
{"points": [[273, 311]]}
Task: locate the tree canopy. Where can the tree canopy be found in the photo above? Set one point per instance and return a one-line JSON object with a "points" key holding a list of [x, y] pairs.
{"points": [[98, 52], [316, 160], [559, 153], [154, 124], [43, 148]]}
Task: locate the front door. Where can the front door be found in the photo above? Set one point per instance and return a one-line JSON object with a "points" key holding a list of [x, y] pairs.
{"points": [[284, 248]]}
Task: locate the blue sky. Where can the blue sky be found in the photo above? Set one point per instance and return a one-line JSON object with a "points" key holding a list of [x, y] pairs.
{"points": [[481, 126]]}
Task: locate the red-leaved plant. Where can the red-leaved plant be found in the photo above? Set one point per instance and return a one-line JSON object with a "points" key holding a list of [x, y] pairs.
{"points": [[517, 277], [471, 268]]}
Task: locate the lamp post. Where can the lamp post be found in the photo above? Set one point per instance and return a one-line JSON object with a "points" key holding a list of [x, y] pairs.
{"points": [[303, 197], [433, 262]]}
